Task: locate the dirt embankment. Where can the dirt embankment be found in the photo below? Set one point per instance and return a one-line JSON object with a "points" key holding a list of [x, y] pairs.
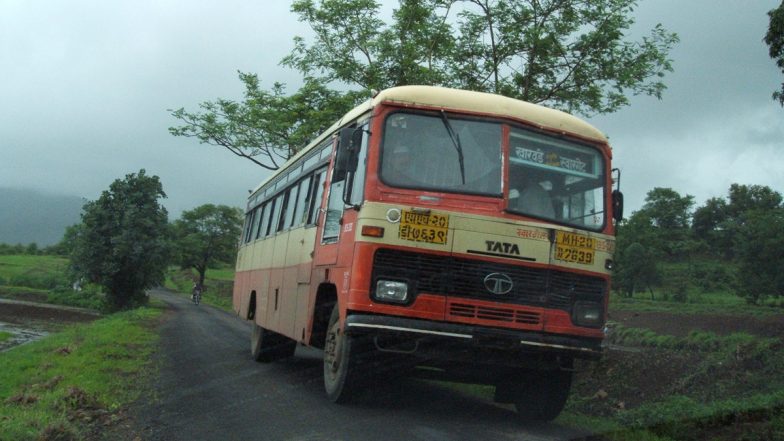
{"points": [[680, 325]]}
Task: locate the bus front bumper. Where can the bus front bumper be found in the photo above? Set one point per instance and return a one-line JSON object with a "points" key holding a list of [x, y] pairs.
{"points": [[476, 337]]}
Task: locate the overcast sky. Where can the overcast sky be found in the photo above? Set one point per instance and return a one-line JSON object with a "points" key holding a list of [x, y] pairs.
{"points": [[85, 87]]}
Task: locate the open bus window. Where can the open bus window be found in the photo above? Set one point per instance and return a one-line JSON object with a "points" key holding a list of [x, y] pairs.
{"points": [[557, 180], [418, 152]]}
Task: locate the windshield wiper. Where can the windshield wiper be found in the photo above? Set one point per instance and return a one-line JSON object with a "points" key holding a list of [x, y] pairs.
{"points": [[456, 142]]}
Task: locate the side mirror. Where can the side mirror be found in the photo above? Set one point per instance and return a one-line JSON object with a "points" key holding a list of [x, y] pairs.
{"points": [[347, 155], [617, 205]]}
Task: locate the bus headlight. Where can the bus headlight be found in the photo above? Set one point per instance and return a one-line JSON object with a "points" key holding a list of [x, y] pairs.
{"points": [[587, 314], [391, 291]]}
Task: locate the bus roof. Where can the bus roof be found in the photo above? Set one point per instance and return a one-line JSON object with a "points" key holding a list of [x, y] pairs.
{"points": [[461, 100], [490, 104]]}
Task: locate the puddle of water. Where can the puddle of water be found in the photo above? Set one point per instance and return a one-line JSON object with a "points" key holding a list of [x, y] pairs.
{"points": [[20, 336]]}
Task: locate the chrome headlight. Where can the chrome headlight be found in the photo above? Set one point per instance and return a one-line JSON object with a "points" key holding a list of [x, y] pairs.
{"points": [[590, 314], [391, 291]]}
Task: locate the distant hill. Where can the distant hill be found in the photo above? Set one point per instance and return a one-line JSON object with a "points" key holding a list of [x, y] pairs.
{"points": [[28, 216]]}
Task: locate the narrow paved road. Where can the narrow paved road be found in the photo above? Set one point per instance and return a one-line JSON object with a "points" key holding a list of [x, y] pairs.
{"points": [[210, 389]]}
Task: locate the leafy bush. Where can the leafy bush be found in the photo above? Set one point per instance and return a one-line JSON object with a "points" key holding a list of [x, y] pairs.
{"points": [[89, 297]]}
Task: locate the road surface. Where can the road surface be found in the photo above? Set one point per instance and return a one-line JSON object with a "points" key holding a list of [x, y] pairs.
{"points": [[209, 388]]}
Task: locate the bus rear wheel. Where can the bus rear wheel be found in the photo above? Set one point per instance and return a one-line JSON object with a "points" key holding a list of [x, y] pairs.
{"points": [[340, 362], [267, 346], [540, 395]]}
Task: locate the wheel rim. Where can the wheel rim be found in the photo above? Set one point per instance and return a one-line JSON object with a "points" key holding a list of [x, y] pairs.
{"points": [[332, 350]]}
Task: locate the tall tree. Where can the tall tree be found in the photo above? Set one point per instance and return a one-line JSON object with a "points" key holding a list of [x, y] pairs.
{"points": [[573, 55], [758, 246], [569, 54], [266, 127], [122, 242], [774, 38], [207, 235]]}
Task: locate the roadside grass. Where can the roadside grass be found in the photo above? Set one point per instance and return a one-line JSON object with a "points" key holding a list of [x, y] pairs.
{"points": [[218, 285], [709, 303], [5, 336], [65, 385]]}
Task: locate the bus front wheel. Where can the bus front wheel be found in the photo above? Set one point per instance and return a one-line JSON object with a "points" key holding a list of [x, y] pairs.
{"points": [[267, 346], [340, 362]]}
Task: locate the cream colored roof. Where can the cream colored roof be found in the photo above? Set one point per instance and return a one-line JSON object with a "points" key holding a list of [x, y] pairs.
{"points": [[487, 103]]}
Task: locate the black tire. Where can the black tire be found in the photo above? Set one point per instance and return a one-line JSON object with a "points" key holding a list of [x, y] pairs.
{"points": [[267, 346], [341, 379], [540, 396]]}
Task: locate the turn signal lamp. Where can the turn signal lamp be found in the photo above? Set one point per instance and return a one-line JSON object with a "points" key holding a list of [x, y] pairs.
{"points": [[371, 231]]}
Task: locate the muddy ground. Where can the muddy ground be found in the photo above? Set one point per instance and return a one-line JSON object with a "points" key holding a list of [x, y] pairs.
{"points": [[29, 321]]}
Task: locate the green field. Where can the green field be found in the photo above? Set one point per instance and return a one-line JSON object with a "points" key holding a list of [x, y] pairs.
{"points": [[71, 383], [43, 279]]}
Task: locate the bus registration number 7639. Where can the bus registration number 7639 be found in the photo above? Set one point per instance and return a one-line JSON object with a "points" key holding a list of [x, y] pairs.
{"points": [[575, 248], [418, 227]]}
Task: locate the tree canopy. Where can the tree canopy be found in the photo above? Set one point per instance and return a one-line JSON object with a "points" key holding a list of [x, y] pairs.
{"points": [[122, 242], [774, 38], [572, 55], [206, 235]]}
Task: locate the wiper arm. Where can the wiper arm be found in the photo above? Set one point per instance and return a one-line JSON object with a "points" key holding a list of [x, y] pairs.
{"points": [[456, 142]]}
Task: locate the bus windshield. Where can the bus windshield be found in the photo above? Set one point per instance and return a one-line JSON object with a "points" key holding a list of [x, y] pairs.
{"points": [[554, 179], [549, 178], [420, 152]]}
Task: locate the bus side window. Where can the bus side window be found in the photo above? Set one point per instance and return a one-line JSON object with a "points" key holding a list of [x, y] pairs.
{"points": [[335, 207], [291, 205], [302, 200], [280, 209], [269, 209], [248, 225], [257, 214], [317, 193], [358, 180]]}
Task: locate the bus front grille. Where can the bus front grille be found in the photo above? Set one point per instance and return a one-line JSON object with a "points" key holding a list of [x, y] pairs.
{"points": [[458, 277]]}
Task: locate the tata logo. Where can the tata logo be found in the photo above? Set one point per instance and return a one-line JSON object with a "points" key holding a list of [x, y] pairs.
{"points": [[502, 247], [498, 283]]}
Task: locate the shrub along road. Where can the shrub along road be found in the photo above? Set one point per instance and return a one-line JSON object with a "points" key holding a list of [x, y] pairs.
{"points": [[210, 388]]}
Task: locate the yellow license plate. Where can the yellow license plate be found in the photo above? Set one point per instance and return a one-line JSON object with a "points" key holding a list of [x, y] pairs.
{"points": [[429, 228], [574, 248]]}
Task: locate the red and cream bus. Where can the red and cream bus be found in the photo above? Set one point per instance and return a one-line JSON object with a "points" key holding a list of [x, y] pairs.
{"points": [[454, 233]]}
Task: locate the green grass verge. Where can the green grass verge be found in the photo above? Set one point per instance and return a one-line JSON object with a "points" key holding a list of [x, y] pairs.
{"points": [[5, 336], [63, 384]]}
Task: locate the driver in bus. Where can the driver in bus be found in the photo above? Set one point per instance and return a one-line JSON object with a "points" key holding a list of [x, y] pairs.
{"points": [[533, 199], [397, 167]]}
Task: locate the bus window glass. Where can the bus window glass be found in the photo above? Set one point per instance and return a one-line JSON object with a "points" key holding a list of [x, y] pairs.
{"points": [[335, 207], [268, 209], [318, 193], [554, 179], [291, 206], [248, 224], [358, 181], [326, 151], [275, 219], [310, 162], [302, 200], [420, 152], [257, 214]]}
